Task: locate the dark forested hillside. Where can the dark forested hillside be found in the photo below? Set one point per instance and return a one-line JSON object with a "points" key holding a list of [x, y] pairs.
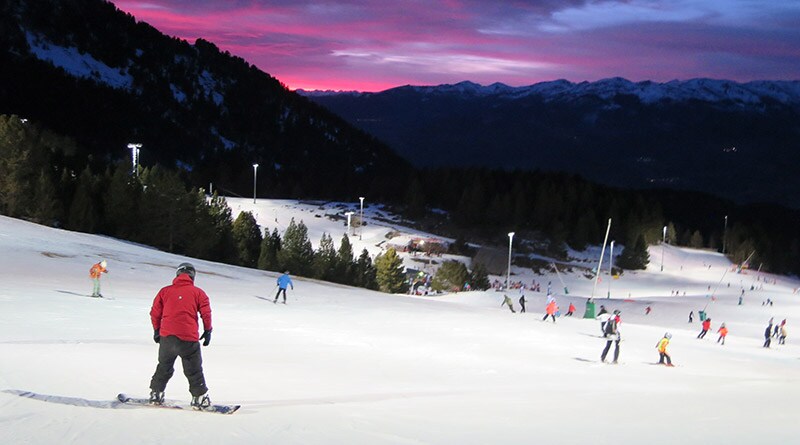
{"points": [[85, 69], [737, 141]]}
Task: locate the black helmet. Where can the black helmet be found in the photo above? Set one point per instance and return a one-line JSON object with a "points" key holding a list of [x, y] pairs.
{"points": [[186, 268], [616, 312]]}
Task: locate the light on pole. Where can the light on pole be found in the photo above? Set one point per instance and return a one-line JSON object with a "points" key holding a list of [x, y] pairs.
{"points": [[663, 245], [361, 222], [508, 272], [610, 269], [349, 215], [135, 157], [255, 178], [725, 235]]}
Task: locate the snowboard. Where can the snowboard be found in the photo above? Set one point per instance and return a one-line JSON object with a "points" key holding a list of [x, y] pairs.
{"points": [[220, 409]]}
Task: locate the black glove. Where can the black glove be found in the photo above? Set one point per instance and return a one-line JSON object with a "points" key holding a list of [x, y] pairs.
{"points": [[207, 336], [156, 336]]}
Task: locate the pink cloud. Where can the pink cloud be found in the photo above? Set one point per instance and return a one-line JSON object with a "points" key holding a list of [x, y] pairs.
{"points": [[369, 45]]}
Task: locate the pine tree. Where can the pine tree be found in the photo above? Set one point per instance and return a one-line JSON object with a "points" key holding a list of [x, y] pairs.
{"points": [[296, 253], [451, 276], [46, 208], [635, 257], [324, 263], [479, 277], [268, 258], [167, 211], [672, 234], [222, 222], [696, 241], [247, 237], [344, 262], [83, 212], [121, 203], [390, 274], [364, 272]]}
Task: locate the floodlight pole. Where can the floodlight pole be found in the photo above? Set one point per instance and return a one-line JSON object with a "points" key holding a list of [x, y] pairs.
{"points": [[725, 235], [349, 215], [135, 148], [508, 272], [361, 222], [255, 179], [610, 268], [663, 245]]}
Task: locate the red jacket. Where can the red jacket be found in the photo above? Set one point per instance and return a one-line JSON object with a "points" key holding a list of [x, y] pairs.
{"points": [[175, 309], [706, 324]]}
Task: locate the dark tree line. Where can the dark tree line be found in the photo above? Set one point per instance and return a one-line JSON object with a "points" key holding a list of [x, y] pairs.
{"points": [[153, 206], [47, 178], [568, 210]]}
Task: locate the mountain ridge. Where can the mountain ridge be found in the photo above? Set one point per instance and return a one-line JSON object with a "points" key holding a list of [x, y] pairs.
{"points": [[783, 91], [737, 141]]}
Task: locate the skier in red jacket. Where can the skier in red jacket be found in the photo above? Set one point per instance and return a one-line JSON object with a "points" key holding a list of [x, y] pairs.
{"points": [[706, 328], [174, 317]]}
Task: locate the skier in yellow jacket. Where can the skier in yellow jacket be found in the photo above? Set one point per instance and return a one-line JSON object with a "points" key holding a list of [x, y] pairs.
{"points": [[662, 350]]}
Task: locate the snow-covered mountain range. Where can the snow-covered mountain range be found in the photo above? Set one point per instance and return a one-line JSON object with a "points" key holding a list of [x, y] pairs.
{"points": [[735, 140], [710, 90]]}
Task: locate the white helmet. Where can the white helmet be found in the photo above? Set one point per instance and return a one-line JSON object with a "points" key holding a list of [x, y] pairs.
{"points": [[103, 264], [668, 335]]}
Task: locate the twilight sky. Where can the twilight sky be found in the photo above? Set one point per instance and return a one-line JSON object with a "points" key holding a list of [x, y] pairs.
{"points": [[372, 45]]}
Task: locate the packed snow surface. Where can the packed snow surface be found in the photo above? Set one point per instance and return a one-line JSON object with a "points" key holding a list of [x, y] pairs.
{"points": [[342, 365]]}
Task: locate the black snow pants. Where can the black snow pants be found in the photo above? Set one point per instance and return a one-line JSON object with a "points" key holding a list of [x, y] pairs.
{"points": [[170, 348], [662, 357], [608, 347], [282, 289]]}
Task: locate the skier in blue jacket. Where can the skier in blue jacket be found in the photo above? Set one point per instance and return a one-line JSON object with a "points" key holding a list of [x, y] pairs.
{"points": [[283, 282]]}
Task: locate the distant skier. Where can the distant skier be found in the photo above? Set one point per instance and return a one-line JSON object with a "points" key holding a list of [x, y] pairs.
{"points": [[782, 338], [723, 332], [706, 328], [663, 355], [612, 335], [602, 316], [550, 311], [647, 310], [507, 301], [768, 334], [283, 281], [94, 273], [174, 317], [522, 302], [691, 316], [776, 331], [570, 310]]}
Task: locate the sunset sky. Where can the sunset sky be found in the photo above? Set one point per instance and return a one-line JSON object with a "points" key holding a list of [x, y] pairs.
{"points": [[372, 45]]}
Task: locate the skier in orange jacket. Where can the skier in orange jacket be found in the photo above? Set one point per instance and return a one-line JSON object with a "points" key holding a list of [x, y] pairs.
{"points": [[94, 273], [723, 331], [550, 311]]}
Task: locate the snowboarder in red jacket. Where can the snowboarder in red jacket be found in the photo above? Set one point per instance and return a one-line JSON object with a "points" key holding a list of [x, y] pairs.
{"points": [[174, 318]]}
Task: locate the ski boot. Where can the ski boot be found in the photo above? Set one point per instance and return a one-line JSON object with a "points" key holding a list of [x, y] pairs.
{"points": [[201, 402], [156, 397]]}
